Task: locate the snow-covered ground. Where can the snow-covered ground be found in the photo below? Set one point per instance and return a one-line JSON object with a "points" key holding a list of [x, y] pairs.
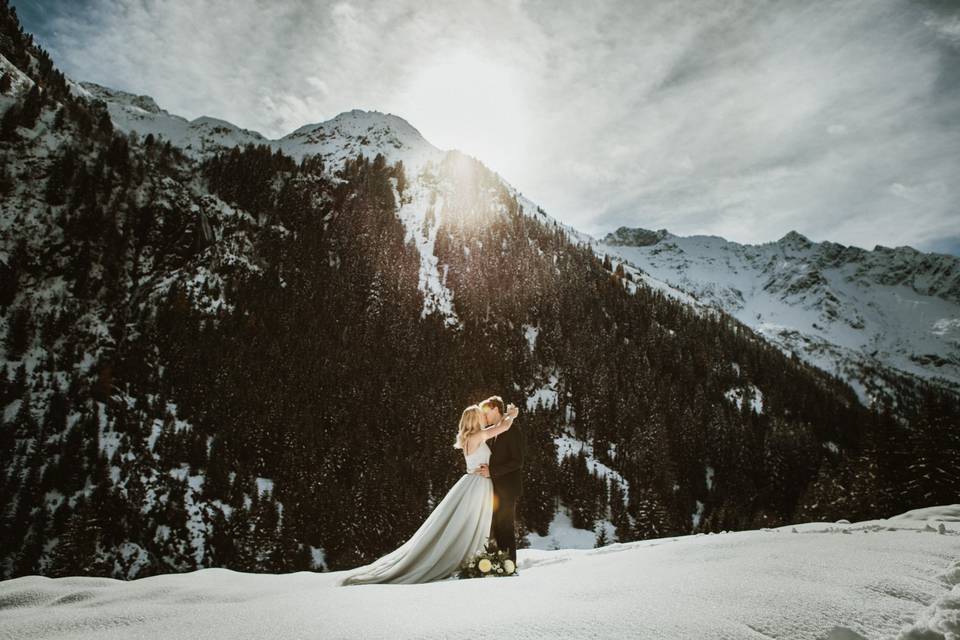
{"points": [[896, 578]]}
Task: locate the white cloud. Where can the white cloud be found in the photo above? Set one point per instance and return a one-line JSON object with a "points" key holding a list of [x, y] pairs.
{"points": [[947, 27], [742, 119]]}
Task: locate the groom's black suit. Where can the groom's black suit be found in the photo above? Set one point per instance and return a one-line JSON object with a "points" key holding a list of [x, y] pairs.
{"points": [[506, 471]]}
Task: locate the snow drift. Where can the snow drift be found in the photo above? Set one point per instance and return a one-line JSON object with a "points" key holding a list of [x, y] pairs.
{"points": [[896, 578]]}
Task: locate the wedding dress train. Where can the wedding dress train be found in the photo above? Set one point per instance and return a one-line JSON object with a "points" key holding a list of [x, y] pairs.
{"points": [[457, 528]]}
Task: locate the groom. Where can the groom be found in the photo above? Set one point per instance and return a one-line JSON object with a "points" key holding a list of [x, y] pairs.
{"points": [[506, 471]]}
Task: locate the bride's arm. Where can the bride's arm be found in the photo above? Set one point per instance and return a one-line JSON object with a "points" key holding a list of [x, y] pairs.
{"points": [[498, 428]]}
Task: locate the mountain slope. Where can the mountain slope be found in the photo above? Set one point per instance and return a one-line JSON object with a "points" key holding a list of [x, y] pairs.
{"points": [[246, 360], [847, 310], [869, 317], [333, 141], [880, 579]]}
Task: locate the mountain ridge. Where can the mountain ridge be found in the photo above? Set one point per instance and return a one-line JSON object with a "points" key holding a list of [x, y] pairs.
{"points": [[624, 235], [895, 307], [355, 127]]}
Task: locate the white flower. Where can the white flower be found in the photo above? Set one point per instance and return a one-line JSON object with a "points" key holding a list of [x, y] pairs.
{"points": [[484, 565], [509, 566]]}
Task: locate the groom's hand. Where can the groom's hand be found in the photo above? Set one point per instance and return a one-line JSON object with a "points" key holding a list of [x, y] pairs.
{"points": [[484, 470]]}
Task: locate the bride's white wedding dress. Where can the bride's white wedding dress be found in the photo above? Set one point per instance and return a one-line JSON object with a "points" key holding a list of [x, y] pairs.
{"points": [[457, 528]]}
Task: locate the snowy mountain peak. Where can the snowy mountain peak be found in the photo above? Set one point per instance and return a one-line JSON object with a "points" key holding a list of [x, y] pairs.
{"points": [[796, 239], [359, 131], [636, 237], [108, 95], [358, 122]]}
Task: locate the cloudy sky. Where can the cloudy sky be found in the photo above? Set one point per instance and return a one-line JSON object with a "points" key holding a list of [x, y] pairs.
{"points": [[838, 119]]}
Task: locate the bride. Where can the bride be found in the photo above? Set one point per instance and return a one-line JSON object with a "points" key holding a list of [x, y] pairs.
{"points": [[458, 527]]}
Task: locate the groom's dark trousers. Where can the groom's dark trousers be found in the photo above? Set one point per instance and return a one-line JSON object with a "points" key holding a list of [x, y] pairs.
{"points": [[506, 471]]}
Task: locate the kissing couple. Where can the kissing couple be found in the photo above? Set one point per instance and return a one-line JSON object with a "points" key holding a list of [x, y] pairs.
{"points": [[480, 505]]}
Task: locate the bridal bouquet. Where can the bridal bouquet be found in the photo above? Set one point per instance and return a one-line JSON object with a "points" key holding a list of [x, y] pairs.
{"points": [[490, 561]]}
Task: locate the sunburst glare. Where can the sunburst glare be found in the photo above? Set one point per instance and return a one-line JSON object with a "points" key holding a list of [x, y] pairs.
{"points": [[460, 97]]}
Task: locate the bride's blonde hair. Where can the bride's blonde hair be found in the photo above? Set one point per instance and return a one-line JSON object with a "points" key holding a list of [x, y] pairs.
{"points": [[471, 421]]}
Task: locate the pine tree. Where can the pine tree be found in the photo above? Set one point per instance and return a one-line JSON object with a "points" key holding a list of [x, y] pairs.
{"points": [[9, 123], [31, 552], [18, 336], [266, 533], [60, 119], [6, 188], [32, 105], [76, 551], [601, 538], [623, 528], [651, 519], [55, 418], [220, 550], [240, 531], [288, 554], [61, 175], [24, 424], [401, 175]]}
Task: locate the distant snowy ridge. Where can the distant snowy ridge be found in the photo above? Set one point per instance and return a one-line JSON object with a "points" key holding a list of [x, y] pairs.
{"points": [[894, 578], [843, 309]]}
